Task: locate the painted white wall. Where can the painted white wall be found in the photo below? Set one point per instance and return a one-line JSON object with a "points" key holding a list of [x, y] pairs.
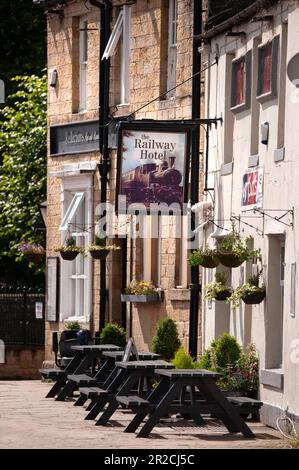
{"points": [[280, 192]]}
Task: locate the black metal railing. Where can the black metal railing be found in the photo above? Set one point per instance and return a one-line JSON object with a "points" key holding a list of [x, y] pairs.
{"points": [[22, 318]]}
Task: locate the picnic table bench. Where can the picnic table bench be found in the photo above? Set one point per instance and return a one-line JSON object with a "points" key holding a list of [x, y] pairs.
{"points": [[166, 399]]}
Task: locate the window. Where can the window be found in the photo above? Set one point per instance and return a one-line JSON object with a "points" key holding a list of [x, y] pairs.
{"points": [[83, 58], [241, 83], [121, 31], [267, 70], [172, 47], [76, 276]]}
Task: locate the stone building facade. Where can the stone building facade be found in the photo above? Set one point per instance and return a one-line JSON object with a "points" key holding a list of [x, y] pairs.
{"points": [[150, 53]]}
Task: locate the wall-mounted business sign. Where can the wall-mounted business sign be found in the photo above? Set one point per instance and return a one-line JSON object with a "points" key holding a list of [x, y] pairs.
{"points": [[252, 188], [78, 137], [153, 165]]}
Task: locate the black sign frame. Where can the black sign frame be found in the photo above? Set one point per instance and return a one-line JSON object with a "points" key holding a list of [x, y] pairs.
{"points": [[58, 145], [180, 127]]}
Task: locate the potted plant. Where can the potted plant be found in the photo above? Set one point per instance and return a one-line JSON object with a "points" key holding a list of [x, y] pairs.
{"points": [[112, 333], [99, 250], [251, 292], [218, 290], [233, 251], [33, 252], [166, 341], [69, 250], [140, 292], [207, 258]]}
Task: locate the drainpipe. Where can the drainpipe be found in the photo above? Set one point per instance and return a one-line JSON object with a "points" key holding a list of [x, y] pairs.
{"points": [[196, 87], [104, 82]]}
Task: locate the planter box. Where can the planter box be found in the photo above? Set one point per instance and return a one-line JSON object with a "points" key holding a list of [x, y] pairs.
{"points": [[155, 297]]}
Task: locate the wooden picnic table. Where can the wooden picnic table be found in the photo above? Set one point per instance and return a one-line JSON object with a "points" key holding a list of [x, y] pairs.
{"points": [[83, 359], [132, 374], [167, 398]]}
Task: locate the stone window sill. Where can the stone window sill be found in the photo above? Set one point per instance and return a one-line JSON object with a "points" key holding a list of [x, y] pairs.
{"points": [[179, 295], [227, 168], [272, 378]]}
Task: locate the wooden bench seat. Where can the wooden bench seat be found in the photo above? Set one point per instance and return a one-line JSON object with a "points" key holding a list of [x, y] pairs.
{"points": [[53, 374], [82, 380]]}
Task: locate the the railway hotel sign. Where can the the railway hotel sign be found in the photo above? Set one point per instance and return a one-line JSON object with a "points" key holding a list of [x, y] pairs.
{"points": [[153, 164], [79, 137]]}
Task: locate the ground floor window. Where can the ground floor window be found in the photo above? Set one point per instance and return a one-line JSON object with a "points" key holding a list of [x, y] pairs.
{"points": [[76, 275]]}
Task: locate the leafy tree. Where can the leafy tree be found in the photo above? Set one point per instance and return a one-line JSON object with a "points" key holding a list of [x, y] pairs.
{"points": [[23, 175], [23, 40]]}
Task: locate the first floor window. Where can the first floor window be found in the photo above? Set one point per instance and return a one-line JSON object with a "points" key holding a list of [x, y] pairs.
{"points": [[267, 69], [241, 83]]}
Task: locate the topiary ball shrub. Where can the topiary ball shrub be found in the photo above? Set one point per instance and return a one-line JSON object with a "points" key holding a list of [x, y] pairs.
{"points": [[182, 360], [227, 350], [113, 334], [223, 351], [166, 340]]}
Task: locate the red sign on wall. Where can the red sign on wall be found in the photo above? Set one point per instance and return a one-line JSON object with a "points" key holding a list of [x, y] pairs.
{"points": [[252, 189]]}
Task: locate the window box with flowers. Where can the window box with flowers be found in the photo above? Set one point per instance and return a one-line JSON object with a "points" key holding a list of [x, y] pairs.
{"points": [[99, 250], [33, 252], [141, 292], [69, 250]]}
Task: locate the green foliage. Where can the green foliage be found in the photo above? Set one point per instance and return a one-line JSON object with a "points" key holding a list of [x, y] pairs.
{"points": [[23, 140], [204, 257], [215, 288], [251, 287], [69, 246], [182, 360], [23, 32], [166, 340], [238, 246], [73, 325], [98, 241], [113, 334], [223, 351], [239, 369]]}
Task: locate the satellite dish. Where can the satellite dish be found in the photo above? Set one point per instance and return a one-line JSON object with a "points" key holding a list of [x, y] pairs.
{"points": [[293, 70]]}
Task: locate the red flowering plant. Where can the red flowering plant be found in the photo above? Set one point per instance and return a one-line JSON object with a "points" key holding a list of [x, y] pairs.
{"points": [[243, 375]]}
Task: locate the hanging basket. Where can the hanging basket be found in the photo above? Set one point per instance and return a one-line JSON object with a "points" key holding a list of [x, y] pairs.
{"points": [[224, 295], [99, 254], [230, 260], [209, 261], [69, 255], [34, 257], [254, 297]]}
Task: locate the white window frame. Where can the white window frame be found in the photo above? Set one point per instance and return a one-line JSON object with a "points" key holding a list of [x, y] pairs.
{"points": [[172, 47], [121, 31], [71, 211], [71, 270], [83, 61]]}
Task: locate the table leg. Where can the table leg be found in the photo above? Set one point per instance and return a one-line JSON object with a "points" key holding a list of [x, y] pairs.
{"points": [[124, 390], [95, 410], [229, 415], [86, 361], [162, 408], [66, 391], [195, 414], [55, 389], [80, 401]]}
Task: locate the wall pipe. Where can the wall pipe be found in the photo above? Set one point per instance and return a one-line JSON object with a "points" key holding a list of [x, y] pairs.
{"points": [[104, 82], [195, 288]]}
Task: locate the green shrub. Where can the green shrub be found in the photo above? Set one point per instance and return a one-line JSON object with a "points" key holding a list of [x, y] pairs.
{"points": [[166, 340], [223, 351], [73, 325], [113, 334], [227, 350], [182, 360]]}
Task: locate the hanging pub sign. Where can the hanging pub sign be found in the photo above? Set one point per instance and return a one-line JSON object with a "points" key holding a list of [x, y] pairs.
{"points": [[252, 189], [153, 165]]}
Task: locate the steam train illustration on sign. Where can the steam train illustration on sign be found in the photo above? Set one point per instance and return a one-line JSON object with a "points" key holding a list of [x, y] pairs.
{"points": [[153, 183]]}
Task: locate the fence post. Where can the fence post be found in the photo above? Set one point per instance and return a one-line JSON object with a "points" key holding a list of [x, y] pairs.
{"points": [[24, 318]]}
